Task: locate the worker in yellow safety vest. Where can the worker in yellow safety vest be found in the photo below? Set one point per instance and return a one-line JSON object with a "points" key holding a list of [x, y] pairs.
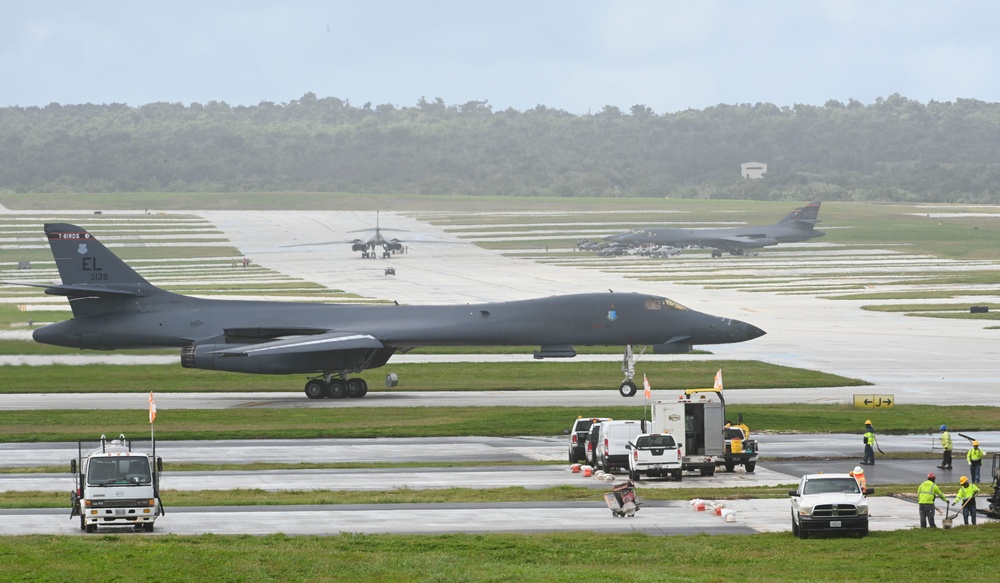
{"points": [[926, 493], [966, 498], [975, 459], [947, 446], [859, 475], [869, 440]]}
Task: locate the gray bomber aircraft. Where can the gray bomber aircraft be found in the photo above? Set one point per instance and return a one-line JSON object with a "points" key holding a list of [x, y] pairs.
{"points": [[116, 308], [798, 225]]}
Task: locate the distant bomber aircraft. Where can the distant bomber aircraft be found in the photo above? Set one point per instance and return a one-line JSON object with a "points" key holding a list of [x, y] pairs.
{"points": [[366, 244], [114, 308], [798, 225]]}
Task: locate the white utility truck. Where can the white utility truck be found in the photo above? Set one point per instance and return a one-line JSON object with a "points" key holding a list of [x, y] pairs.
{"points": [[695, 420], [116, 486]]}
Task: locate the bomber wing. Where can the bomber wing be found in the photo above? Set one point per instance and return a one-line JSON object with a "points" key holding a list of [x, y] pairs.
{"points": [[740, 242], [84, 289]]}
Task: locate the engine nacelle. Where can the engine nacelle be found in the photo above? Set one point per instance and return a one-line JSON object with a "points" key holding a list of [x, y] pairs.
{"points": [[359, 247], [393, 246]]}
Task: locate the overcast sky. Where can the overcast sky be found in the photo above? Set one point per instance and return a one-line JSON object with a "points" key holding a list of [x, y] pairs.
{"points": [[575, 55]]}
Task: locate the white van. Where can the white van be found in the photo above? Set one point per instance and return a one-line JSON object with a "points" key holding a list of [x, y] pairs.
{"points": [[614, 436]]}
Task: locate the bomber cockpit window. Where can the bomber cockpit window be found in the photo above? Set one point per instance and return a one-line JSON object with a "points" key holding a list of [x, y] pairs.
{"points": [[663, 303]]}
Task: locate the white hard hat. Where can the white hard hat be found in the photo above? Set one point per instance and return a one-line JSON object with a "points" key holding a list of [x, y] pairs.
{"points": [[858, 470]]}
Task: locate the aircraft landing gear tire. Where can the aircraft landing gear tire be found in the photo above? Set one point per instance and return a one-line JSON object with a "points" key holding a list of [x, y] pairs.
{"points": [[628, 389], [356, 388], [315, 389], [337, 389]]}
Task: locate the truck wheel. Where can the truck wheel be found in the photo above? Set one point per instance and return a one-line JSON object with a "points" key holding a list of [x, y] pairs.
{"points": [[750, 467], [730, 465], [91, 528], [147, 526], [678, 475], [803, 534], [795, 528], [709, 471], [634, 476], [83, 523]]}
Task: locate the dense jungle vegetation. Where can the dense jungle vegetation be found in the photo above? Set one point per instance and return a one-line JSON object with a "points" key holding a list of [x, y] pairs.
{"points": [[895, 149]]}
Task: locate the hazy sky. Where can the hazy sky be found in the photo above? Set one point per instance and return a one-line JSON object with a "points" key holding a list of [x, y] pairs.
{"points": [[576, 55]]}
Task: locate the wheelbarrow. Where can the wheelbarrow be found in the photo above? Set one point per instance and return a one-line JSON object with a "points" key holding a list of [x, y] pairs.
{"points": [[622, 500]]}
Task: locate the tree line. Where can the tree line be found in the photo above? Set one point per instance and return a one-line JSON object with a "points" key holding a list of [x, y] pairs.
{"points": [[895, 149]]}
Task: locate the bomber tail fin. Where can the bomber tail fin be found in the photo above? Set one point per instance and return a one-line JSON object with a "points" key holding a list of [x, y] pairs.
{"points": [[94, 279], [806, 214]]}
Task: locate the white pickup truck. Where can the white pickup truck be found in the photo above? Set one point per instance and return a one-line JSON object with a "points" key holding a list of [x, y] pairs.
{"points": [[655, 454]]}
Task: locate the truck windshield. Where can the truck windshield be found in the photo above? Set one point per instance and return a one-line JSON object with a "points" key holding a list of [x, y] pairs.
{"points": [[832, 486], [118, 470], [648, 441]]}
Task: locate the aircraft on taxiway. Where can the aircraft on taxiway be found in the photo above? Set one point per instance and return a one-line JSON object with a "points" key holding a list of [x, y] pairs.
{"points": [[798, 225], [116, 308], [367, 243]]}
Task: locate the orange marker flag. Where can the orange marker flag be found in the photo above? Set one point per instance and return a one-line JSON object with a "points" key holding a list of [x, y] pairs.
{"points": [[718, 380], [645, 385], [152, 408]]}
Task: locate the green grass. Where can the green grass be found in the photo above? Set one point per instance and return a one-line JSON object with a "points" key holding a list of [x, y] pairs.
{"points": [[580, 557], [485, 376], [361, 422]]}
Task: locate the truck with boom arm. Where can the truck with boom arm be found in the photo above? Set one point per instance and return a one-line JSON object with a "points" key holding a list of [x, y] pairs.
{"points": [[115, 485]]}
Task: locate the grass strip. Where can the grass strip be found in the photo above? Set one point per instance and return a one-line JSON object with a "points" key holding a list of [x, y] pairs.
{"points": [[476, 376], [581, 557], [510, 421]]}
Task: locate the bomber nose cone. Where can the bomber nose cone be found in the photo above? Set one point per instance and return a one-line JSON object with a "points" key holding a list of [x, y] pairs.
{"points": [[741, 331]]}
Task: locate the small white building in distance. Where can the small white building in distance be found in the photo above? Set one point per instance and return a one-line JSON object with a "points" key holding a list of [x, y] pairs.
{"points": [[753, 170]]}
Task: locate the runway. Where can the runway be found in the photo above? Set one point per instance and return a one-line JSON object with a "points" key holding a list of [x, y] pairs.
{"points": [[658, 517]]}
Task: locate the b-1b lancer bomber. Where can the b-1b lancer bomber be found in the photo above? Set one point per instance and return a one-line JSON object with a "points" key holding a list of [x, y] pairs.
{"points": [[798, 225], [116, 308]]}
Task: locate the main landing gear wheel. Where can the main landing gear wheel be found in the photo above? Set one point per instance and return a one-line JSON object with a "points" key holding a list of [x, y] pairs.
{"points": [[315, 389], [356, 388], [337, 389], [628, 389]]}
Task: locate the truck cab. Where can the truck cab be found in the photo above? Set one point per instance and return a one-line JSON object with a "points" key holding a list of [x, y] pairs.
{"points": [[115, 486], [740, 449]]}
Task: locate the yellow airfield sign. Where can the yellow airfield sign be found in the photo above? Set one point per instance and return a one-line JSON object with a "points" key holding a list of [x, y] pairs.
{"points": [[874, 401]]}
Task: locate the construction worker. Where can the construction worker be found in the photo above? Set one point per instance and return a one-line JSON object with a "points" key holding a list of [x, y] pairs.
{"points": [[947, 446], [975, 459], [926, 493], [966, 497], [859, 475], [869, 440]]}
